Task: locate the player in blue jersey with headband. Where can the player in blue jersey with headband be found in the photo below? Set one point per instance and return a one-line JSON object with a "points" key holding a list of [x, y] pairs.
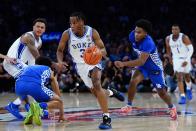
{"points": [[148, 65]]}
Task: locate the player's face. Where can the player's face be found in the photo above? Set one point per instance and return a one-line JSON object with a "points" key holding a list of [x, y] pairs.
{"points": [[76, 24], [39, 28], [139, 33], [175, 30]]}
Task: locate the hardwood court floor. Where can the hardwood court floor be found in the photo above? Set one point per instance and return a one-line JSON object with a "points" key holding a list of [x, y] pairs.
{"points": [[82, 111]]}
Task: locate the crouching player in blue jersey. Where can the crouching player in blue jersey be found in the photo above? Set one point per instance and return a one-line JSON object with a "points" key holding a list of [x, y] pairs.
{"points": [[35, 78], [148, 64]]}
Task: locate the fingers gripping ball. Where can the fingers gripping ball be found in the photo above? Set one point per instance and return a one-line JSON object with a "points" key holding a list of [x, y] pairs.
{"points": [[92, 55]]}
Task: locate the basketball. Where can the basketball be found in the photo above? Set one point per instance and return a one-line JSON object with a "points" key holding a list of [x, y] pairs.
{"points": [[92, 55]]}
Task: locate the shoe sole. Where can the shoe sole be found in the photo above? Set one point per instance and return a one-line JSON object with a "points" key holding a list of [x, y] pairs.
{"points": [[104, 127], [36, 115], [28, 119]]}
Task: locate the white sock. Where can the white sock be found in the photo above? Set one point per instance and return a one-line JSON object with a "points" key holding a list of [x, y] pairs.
{"points": [[17, 101], [182, 95], [188, 85], [110, 92], [106, 114]]}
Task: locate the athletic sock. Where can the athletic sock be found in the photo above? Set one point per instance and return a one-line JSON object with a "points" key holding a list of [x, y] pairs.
{"points": [[17, 101]]}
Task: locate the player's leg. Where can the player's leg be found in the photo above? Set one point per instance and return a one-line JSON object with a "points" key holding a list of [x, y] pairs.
{"points": [[21, 92], [167, 99], [47, 100], [13, 107], [158, 81], [112, 92], [101, 97], [137, 77], [180, 84], [55, 103], [188, 86]]}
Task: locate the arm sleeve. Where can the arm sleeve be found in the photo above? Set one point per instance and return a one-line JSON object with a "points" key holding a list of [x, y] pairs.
{"points": [[190, 52]]}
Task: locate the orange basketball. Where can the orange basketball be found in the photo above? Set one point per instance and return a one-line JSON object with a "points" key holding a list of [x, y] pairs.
{"points": [[92, 55]]}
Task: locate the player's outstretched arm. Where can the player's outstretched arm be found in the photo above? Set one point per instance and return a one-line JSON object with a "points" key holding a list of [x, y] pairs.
{"points": [[10, 60], [133, 63], [54, 84], [60, 50], [30, 42], [61, 47], [99, 43], [3, 56]]}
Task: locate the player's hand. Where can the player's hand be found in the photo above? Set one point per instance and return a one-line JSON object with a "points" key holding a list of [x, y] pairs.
{"points": [[184, 64], [11, 60], [62, 119], [7, 76], [119, 64], [62, 67]]}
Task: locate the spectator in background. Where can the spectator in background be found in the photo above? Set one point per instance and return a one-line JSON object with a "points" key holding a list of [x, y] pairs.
{"points": [[193, 71]]}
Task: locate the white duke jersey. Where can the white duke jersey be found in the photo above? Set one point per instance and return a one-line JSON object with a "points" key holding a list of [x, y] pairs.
{"points": [[178, 48], [77, 45], [20, 51]]}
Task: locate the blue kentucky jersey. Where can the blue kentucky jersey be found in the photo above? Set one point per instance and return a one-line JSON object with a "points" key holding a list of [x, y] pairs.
{"points": [[37, 73], [147, 45]]}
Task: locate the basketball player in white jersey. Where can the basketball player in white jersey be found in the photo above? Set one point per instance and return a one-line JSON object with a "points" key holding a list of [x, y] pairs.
{"points": [[24, 49], [77, 39], [180, 46]]}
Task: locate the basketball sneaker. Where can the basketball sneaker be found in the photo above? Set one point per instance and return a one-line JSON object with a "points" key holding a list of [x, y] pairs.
{"points": [[116, 94], [189, 94], [29, 117], [173, 113], [37, 113], [182, 100], [106, 124], [14, 110], [45, 114], [126, 109]]}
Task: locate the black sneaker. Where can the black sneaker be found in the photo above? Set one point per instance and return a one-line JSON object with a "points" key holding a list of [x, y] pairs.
{"points": [[116, 94], [106, 124]]}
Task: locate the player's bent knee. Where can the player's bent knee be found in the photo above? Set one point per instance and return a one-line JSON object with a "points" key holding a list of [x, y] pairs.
{"points": [[134, 82]]}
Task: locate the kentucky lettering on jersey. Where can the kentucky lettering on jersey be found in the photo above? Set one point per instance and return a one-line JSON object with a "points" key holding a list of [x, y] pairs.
{"points": [[77, 45], [148, 46]]}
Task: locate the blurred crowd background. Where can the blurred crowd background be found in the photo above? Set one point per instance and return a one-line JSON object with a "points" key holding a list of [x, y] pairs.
{"points": [[113, 20]]}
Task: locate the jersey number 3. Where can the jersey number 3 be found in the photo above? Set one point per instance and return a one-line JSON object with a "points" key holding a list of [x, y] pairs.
{"points": [[82, 52]]}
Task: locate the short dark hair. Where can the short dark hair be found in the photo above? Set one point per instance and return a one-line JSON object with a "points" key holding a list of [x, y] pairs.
{"points": [[79, 15], [145, 25], [176, 25], [42, 60], [42, 20]]}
